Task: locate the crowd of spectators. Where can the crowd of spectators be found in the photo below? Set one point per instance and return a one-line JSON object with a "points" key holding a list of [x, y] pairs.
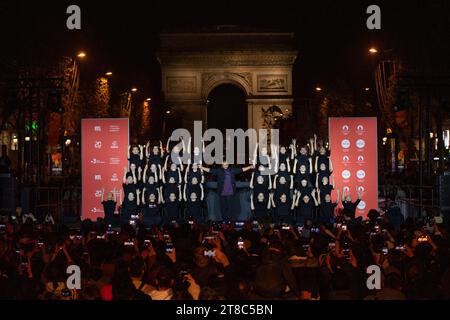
{"points": [[186, 260]]}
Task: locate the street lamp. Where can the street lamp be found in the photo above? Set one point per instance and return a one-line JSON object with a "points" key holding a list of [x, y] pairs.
{"points": [[109, 73], [367, 89], [81, 55], [134, 90], [148, 99], [373, 50], [318, 89]]}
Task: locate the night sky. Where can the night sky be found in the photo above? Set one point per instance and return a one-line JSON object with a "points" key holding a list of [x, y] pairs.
{"points": [[122, 36]]}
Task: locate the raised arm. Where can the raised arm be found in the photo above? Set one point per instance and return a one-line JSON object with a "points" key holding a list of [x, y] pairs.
{"points": [[252, 205], [299, 195], [125, 170], [180, 195], [186, 171], [313, 195], [184, 193], [292, 182], [115, 195], [139, 173], [159, 194], [338, 196], [147, 147], [293, 148], [318, 196], [270, 182], [144, 176], [275, 181], [141, 153], [202, 167], [143, 196], [103, 195], [179, 176], [331, 164], [247, 168], [203, 192], [161, 149], [251, 180], [269, 203], [293, 202], [133, 172], [255, 153], [128, 151], [272, 201], [138, 192]]}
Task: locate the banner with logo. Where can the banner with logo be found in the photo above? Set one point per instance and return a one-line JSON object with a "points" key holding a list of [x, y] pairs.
{"points": [[353, 145], [104, 144]]}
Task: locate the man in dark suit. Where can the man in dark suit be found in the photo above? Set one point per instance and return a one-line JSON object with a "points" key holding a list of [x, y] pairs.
{"points": [[226, 186]]}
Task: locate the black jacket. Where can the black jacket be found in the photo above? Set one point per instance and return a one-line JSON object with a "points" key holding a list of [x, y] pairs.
{"points": [[220, 174]]}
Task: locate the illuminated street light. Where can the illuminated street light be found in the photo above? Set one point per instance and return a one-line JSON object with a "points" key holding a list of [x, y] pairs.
{"points": [[367, 89], [134, 90], [81, 55], [27, 138], [167, 111], [109, 73], [373, 50], [318, 89], [149, 99]]}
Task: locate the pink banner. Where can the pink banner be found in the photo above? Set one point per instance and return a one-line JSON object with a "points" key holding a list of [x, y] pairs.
{"points": [[103, 155], [353, 145]]}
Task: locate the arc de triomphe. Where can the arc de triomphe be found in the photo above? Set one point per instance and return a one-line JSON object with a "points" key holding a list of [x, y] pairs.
{"points": [[194, 63]]}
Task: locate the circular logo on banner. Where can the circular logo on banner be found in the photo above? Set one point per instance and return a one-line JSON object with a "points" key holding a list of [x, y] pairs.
{"points": [[361, 174], [362, 205], [345, 144], [346, 174], [360, 127], [346, 189], [345, 159], [360, 158], [360, 143], [361, 189], [345, 127]]}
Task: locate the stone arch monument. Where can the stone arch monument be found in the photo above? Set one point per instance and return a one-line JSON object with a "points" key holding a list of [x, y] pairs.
{"points": [[193, 63]]}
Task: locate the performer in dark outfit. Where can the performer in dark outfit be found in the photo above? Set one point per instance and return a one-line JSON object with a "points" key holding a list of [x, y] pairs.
{"points": [[306, 205], [283, 158], [226, 186], [151, 208], [327, 207], [193, 196], [129, 208], [156, 156], [324, 188], [172, 205], [109, 206], [323, 158], [260, 205], [195, 172], [136, 156], [283, 206], [349, 206], [175, 156]]}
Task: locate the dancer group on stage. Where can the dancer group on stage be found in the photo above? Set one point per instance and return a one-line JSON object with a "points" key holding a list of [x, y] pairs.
{"points": [[292, 184]]}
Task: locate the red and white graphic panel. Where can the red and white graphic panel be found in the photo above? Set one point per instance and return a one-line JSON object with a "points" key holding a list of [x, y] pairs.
{"points": [[104, 144], [353, 145]]}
